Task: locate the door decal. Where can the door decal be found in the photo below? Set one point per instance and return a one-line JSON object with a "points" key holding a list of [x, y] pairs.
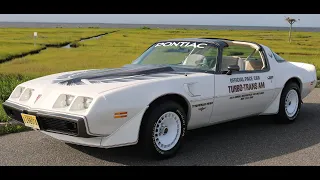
{"points": [[246, 96], [246, 86]]}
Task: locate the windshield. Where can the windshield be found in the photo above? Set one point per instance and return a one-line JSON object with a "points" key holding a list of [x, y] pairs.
{"points": [[188, 54]]}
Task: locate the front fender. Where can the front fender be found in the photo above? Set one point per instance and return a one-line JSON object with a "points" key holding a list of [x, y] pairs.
{"points": [[127, 134]]}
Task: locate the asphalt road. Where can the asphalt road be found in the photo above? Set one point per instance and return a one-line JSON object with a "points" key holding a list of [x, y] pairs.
{"points": [[251, 141]]}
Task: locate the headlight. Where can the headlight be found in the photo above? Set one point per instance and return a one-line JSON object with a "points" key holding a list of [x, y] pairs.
{"points": [[17, 92], [64, 100], [81, 103], [26, 94]]}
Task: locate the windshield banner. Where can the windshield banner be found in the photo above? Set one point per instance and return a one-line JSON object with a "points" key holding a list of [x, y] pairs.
{"points": [[182, 44]]}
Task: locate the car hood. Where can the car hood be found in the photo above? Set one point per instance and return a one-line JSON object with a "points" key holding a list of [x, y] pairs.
{"points": [[101, 80]]}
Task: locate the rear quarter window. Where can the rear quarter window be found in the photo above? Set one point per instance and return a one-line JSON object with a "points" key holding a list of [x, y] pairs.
{"points": [[278, 58]]}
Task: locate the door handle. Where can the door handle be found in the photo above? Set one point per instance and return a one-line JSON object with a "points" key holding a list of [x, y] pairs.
{"points": [[270, 77]]}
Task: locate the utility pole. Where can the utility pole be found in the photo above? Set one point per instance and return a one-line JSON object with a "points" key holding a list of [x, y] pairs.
{"points": [[291, 21]]}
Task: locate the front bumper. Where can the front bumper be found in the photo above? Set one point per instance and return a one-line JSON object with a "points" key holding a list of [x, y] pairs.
{"points": [[72, 129], [50, 122]]}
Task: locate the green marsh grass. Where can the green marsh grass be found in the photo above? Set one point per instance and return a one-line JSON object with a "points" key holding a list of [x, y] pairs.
{"points": [[17, 41], [13, 128], [122, 47]]}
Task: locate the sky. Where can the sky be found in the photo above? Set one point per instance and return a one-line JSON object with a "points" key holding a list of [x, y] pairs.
{"points": [[306, 20]]}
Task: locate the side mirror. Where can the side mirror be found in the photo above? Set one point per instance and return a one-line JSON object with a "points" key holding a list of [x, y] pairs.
{"points": [[232, 68]]}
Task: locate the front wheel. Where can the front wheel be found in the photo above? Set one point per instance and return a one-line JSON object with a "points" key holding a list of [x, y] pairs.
{"points": [[163, 129], [290, 104]]}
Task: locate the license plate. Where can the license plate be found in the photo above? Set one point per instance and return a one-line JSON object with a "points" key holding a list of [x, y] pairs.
{"points": [[30, 121]]}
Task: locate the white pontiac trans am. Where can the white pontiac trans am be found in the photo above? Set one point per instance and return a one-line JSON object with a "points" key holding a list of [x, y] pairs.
{"points": [[174, 86]]}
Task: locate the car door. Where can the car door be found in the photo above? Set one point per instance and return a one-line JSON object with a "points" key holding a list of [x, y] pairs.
{"points": [[245, 92]]}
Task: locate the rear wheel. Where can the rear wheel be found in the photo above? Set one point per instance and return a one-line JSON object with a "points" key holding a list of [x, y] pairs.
{"points": [[290, 104], [163, 130]]}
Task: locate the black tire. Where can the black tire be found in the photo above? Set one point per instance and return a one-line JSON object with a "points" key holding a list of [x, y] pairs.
{"points": [[147, 139], [282, 116]]}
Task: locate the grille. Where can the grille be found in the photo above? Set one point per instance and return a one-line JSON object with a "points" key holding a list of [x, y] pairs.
{"points": [[58, 125], [49, 124], [14, 114]]}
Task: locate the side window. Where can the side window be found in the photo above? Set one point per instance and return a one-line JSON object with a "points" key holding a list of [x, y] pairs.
{"points": [[204, 58], [246, 57], [278, 58], [254, 62]]}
